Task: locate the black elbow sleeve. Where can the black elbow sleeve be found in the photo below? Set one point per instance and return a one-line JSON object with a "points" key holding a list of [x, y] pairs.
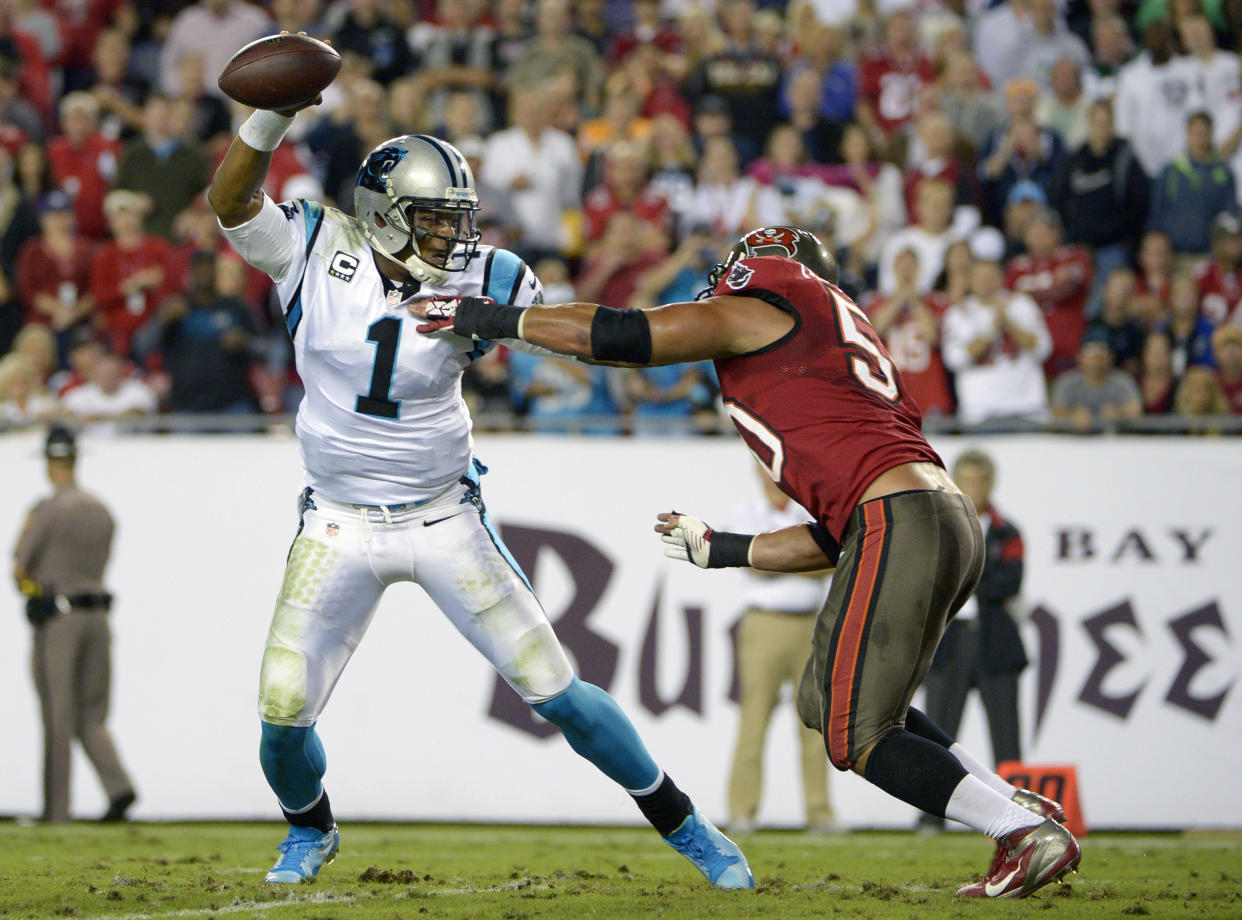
{"points": [[620, 336], [826, 542]]}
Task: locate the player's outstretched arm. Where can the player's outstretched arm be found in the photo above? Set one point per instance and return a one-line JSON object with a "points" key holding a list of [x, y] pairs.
{"points": [[717, 327], [797, 548]]}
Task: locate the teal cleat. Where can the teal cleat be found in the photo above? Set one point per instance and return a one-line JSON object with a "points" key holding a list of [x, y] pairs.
{"points": [[302, 854], [711, 852]]}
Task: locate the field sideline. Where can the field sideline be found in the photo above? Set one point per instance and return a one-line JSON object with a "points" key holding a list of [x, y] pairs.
{"points": [[509, 872]]}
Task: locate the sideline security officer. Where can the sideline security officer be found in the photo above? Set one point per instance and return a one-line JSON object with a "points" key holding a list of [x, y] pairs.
{"points": [[59, 563]]}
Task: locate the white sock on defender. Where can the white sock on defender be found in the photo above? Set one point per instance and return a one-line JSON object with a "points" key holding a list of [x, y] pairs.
{"points": [[976, 805], [978, 770]]}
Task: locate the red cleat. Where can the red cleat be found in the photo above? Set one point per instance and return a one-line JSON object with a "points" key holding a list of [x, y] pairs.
{"points": [[1027, 860]]}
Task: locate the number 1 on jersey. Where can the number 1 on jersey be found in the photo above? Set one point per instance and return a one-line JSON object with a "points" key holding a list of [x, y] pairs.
{"points": [[385, 333]]}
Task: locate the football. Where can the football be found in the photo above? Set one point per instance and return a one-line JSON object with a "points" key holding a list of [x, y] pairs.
{"points": [[280, 71]]}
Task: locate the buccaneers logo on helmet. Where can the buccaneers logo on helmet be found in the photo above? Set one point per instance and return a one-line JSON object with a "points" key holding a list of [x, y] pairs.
{"points": [[773, 236]]}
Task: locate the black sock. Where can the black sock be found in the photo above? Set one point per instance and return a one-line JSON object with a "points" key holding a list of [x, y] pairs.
{"points": [[319, 816], [666, 808], [916, 770], [921, 724]]}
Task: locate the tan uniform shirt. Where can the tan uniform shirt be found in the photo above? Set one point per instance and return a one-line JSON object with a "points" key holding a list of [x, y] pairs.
{"points": [[66, 542]]}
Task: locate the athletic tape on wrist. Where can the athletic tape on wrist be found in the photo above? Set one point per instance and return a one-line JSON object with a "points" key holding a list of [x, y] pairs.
{"points": [[264, 130], [729, 550]]}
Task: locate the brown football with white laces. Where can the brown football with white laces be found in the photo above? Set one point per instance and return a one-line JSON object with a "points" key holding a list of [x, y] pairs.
{"points": [[280, 72]]}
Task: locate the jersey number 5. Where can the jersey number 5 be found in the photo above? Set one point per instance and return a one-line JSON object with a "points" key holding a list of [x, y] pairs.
{"points": [[874, 369], [385, 333]]}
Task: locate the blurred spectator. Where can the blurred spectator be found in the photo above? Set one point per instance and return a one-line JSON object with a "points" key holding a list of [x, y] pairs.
{"points": [[463, 116], [23, 400], [628, 248], [84, 350], [538, 166], [53, 269], [1017, 150], [713, 118], [1192, 190], [998, 37], [18, 219], [32, 171], [773, 633], [1096, 394], [648, 28], [342, 140], [1047, 42], [1112, 48], [1155, 92], [555, 51], [953, 282], [1227, 348], [792, 186], [835, 84], [169, 170], [1199, 400], [745, 75], [929, 236], [908, 320], [207, 341], [132, 274], [722, 198], [620, 120], [665, 400], [1063, 106], [454, 60], [1155, 271], [934, 157], [558, 396], [879, 185], [673, 160], [83, 162], [200, 117], [890, 82], [624, 188], [109, 395], [20, 121], [38, 345], [970, 108], [1188, 331], [821, 136], [1156, 378], [995, 342], [1102, 194], [117, 92], [1220, 277], [592, 23], [1057, 277], [1220, 79], [512, 32], [1125, 334], [216, 29]]}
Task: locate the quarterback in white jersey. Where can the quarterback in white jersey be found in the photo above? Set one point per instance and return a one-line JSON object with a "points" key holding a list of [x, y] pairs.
{"points": [[393, 489]]}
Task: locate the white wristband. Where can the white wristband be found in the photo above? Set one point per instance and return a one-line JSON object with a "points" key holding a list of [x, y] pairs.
{"points": [[264, 130]]}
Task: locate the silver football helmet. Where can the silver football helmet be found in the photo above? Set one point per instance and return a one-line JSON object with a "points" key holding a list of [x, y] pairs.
{"points": [[416, 202]]}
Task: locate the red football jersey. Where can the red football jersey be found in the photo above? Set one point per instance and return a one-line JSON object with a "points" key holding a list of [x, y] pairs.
{"points": [[823, 408], [893, 86]]}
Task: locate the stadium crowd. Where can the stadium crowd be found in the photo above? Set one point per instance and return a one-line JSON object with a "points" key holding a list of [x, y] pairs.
{"points": [[1037, 204]]}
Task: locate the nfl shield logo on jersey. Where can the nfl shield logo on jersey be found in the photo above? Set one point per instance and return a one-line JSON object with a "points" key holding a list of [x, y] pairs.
{"points": [[332, 529], [739, 276]]}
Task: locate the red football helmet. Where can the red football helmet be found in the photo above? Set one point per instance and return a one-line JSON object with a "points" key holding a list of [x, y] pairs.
{"points": [[786, 242]]}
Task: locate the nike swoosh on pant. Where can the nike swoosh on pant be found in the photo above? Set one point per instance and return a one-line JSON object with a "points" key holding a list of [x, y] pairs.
{"points": [[438, 520]]}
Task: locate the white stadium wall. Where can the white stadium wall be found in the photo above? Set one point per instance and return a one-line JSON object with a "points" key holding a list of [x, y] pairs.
{"points": [[1134, 627]]}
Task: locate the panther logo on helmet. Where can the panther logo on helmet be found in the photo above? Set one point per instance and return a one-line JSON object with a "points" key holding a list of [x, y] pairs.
{"points": [[783, 237]]}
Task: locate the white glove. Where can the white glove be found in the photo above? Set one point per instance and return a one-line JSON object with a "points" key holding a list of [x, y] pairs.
{"points": [[689, 541]]}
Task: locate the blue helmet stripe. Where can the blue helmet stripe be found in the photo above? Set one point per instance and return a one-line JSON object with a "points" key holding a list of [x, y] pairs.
{"points": [[458, 180]]}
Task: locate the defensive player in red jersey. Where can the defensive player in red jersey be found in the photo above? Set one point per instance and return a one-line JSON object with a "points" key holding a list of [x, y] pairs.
{"points": [[816, 397]]}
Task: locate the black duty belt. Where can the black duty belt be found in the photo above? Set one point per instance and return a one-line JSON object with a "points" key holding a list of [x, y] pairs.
{"points": [[85, 602]]}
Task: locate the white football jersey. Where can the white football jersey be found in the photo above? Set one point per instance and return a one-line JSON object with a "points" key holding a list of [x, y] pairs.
{"points": [[383, 421]]}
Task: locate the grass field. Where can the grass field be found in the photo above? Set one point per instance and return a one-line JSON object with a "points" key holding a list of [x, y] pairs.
{"points": [[483, 872]]}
